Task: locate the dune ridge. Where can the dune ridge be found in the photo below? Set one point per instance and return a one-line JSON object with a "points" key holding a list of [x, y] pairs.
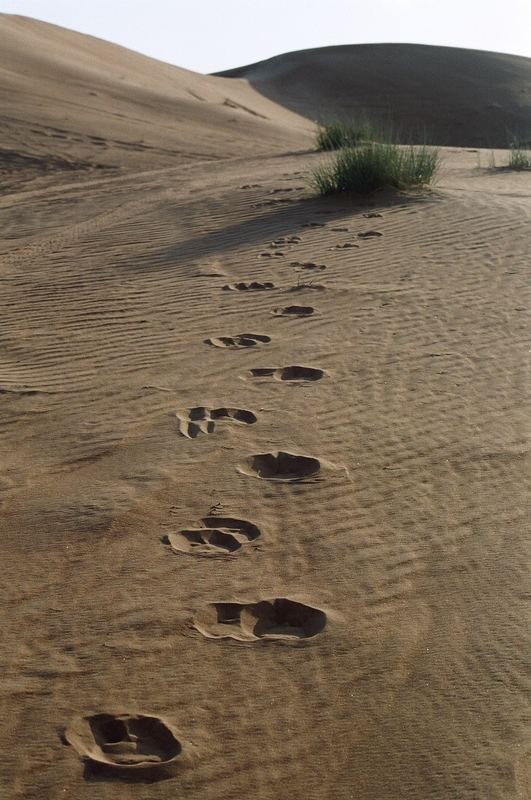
{"points": [[447, 95]]}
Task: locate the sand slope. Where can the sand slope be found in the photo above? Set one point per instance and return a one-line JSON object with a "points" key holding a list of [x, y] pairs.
{"points": [[455, 96], [73, 102], [281, 551]]}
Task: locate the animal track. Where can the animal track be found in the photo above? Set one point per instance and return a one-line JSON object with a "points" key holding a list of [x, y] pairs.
{"points": [[344, 246], [295, 373], [286, 240], [280, 466], [313, 225], [373, 214], [307, 265], [275, 254], [301, 285], [238, 341], [277, 619], [220, 536], [253, 286], [294, 311], [200, 419], [369, 234], [340, 230], [125, 742]]}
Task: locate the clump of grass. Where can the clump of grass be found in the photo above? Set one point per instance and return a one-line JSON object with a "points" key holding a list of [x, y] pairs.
{"points": [[520, 157], [337, 134], [375, 165]]}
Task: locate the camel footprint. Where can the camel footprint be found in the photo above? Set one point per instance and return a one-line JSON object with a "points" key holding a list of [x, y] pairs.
{"points": [[310, 265], [280, 466], [219, 536], [201, 419], [293, 373], [125, 743], [294, 311], [275, 619], [253, 286], [238, 341], [369, 234]]}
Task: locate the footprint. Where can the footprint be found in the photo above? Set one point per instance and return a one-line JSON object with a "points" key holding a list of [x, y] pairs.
{"points": [[373, 214], [280, 466], [241, 340], [275, 254], [200, 419], [340, 230], [307, 265], [369, 234], [313, 225], [294, 311], [289, 373], [220, 536], [344, 246], [125, 742], [253, 286], [286, 240], [319, 287], [250, 186], [277, 619]]}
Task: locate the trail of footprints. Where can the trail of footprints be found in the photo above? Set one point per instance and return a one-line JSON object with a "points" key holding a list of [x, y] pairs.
{"points": [[139, 744]]}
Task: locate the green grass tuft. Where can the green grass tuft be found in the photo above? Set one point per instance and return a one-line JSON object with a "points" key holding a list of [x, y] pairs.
{"points": [[520, 158], [375, 165], [334, 135]]}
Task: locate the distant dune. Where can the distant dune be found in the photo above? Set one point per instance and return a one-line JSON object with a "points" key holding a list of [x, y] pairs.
{"points": [[458, 97]]}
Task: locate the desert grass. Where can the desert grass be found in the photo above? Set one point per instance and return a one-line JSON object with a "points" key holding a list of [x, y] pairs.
{"points": [[375, 165], [337, 134], [519, 157]]}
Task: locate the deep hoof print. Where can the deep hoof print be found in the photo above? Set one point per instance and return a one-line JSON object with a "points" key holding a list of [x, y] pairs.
{"points": [[280, 466], [294, 311], [276, 619], [311, 265], [294, 373], [200, 419], [369, 234], [125, 743], [241, 340], [219, 536], [253, 286]]}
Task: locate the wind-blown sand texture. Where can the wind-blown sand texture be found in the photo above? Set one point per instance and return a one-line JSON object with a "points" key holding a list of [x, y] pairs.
{"points": [[256, 544]]}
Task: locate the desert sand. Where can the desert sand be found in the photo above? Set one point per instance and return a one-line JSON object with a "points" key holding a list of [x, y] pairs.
{"points": [[264, 477]]}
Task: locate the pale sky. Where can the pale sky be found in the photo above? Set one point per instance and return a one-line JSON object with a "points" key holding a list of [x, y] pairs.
{"points": [[210, 35]]}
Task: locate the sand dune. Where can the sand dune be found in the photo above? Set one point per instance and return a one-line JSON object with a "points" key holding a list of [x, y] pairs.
{"points": [[464, 98], [75, 103], [264, 457]]}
